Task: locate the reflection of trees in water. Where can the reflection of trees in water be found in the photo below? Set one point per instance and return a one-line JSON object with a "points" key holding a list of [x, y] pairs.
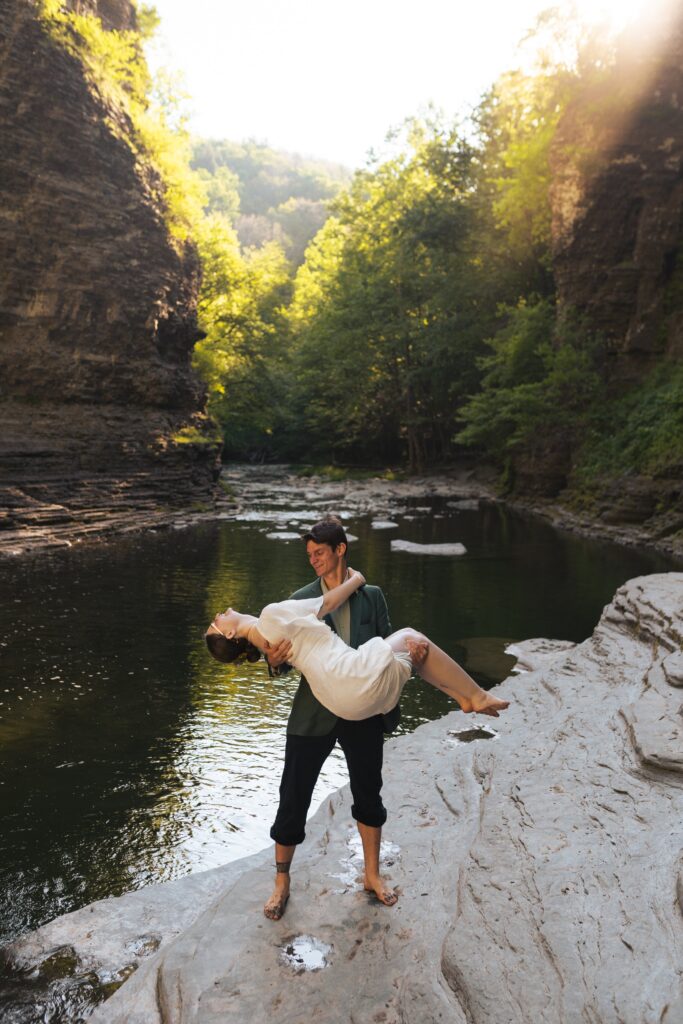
{"points": [[90, 761], [246, 572]]}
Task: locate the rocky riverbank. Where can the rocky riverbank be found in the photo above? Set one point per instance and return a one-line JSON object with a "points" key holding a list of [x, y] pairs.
{"points": [[170, 497], [538, 861]]}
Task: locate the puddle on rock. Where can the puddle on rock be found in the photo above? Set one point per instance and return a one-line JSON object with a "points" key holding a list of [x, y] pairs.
{"points": [[306, 953], [477, 733]]}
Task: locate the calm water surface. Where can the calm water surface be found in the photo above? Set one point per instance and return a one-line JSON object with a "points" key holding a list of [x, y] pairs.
{"points": [[129, 757]]}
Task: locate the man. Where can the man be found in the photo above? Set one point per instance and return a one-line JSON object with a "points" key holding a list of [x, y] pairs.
{"points": [[312, 730]]}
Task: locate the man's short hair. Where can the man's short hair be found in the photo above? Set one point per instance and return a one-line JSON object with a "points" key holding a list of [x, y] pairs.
{"points": [[328, 531]]}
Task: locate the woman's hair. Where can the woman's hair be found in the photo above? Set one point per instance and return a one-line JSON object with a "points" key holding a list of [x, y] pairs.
{"points": [[226, 649]]}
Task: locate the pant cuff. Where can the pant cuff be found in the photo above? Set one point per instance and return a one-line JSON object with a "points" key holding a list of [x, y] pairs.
{"points": [[375, 820], [296, 840]]}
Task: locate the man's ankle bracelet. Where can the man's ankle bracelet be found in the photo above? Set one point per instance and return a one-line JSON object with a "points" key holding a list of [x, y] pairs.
{"points": [[282, 866]]}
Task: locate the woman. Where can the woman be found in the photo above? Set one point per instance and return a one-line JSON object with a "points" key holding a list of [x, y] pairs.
{"points": [[353, 684]]}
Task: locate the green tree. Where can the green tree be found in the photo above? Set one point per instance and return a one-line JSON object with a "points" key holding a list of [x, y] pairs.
{"points": [[241, 312], [387, 302]]}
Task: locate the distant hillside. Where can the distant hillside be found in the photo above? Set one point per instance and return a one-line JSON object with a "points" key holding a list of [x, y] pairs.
{"points": [[268, 194]]}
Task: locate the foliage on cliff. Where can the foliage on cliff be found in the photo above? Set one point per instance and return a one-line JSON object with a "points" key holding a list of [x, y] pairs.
{"points": [[116, 65]]}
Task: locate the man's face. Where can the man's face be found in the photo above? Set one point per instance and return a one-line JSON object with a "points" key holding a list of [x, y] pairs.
{"points": [[324, 559]]}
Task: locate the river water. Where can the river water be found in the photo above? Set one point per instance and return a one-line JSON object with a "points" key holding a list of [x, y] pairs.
{"points": [[129, 757]]}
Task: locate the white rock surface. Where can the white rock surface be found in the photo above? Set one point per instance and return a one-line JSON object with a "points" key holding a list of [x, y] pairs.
{"points": [[384, 524], [428, 549], [539, 869], [532, 654]]}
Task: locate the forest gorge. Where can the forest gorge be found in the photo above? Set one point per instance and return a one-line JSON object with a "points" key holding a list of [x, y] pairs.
{"points": [[507, 289]]}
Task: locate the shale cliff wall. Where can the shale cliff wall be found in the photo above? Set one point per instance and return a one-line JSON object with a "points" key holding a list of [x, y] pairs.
{"points": [[617, 225], [618, 203], [97, 305]]}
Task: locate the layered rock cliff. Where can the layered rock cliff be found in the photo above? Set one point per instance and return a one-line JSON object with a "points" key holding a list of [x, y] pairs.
{"points": [[97, 304], [617, 198], [617, 208]]}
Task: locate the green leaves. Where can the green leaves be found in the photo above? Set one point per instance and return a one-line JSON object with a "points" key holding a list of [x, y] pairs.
{"points": [[385, 298]]}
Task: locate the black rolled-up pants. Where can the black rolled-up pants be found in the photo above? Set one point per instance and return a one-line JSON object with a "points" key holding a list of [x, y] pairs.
{"points": [[362, 743]]}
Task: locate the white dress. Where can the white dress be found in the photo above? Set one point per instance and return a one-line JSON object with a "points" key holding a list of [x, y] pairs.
{"points": [[352, 684]]}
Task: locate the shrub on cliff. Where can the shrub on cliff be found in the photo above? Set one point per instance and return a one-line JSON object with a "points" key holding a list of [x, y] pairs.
{"points": [[639, 432]]}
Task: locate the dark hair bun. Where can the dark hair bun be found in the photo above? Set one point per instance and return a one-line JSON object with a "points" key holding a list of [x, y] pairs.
{"points": [[227, 649]]}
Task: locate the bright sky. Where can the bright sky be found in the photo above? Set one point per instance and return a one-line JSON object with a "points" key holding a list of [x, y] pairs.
{"points": [[329, 78]]}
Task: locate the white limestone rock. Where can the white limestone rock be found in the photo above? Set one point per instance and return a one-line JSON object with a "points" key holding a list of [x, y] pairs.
{"points": [[532, 654], [414, 548]]}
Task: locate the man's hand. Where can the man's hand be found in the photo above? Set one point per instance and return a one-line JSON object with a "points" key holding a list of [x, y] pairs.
{"points": [[279, 653], [418, 651]]}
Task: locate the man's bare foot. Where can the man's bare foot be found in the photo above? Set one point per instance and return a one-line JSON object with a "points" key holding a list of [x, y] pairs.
{"points": [[275, 906], [384, 894]]}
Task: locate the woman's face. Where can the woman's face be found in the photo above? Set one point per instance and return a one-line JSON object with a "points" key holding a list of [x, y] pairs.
{"points": [[228, 622]]}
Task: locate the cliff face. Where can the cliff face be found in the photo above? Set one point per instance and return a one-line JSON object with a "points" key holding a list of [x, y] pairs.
{"points": [[618, 203], [97, 304]]}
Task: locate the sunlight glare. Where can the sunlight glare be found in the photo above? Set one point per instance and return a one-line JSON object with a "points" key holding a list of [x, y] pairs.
{"points": [[617, 14]]}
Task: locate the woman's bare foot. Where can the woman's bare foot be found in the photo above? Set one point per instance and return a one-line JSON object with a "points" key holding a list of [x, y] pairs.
{"points": [[382, 891], [275, 906], [485, 704]]}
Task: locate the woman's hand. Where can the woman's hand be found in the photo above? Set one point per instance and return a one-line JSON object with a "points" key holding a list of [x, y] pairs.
{"points": [[356, 576]]}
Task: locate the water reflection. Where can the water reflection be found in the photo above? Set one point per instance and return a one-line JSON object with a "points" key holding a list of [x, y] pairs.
{"points": [[129, 757]]}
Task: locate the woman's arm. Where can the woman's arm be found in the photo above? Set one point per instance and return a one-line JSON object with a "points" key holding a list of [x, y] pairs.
{"points": [[335, 598]]}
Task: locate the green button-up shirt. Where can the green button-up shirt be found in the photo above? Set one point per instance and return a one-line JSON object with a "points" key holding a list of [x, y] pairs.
{"points": [[369, 617]]}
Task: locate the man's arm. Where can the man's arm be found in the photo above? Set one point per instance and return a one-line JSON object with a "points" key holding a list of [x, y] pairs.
{"points": [[383, 623]]}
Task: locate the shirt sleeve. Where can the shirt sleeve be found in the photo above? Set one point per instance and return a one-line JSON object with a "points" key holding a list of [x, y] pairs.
{"points": [[308, 606], [275, 620]]}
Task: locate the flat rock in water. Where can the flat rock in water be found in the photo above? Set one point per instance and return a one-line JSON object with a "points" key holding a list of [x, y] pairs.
{"points": [[465, 504], [537, 865], [384, 524], [428, 549], [283, 535]]}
